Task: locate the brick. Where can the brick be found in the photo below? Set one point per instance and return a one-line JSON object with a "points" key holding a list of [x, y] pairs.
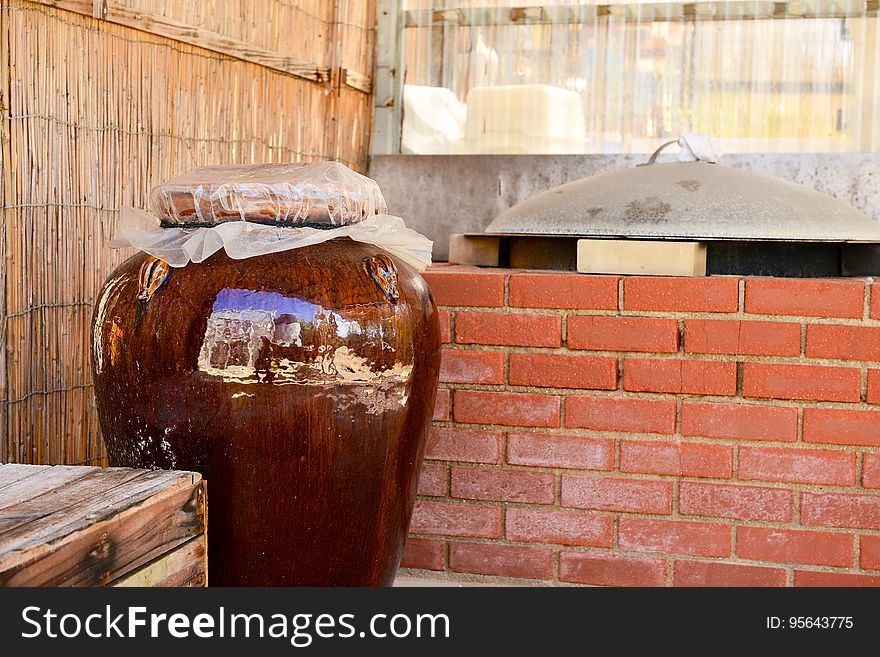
{"points": [[616, 414], [696, 377], [463, 445], [441, 405], [810, 298], [748, 338], [516, 409], [445, 318], [563, 371], [601, 333], [739, 421], [501, 560], [503, 485], [815, 578], [714, 573], [676, 536], [873, 396], [432, 480], [461, 366], [869, 552], [842, 427], [676, 294], [461, 286], [843, 342], [840, 510], [807, 382], [794, 546], [875, 302], [676, 458], [508, 329], [445, 519], [570, 291], [799, 466], [871, 470], [617, 494], [560, 451], [607, 569], [731, 501], [424, 553], [559, 527]]}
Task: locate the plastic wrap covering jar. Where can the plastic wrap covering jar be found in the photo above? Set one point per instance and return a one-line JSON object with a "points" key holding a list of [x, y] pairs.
{"points": [[300, 383]]}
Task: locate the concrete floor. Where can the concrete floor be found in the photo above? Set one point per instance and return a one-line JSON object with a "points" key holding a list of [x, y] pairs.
{"points": [[411, 581], [408, 578]]}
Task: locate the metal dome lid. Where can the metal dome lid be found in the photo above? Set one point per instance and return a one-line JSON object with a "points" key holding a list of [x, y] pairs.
{"points": [[687, 200]]}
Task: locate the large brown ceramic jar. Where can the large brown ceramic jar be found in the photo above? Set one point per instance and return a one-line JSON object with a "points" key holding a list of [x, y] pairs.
{"points": [[301, 384]]}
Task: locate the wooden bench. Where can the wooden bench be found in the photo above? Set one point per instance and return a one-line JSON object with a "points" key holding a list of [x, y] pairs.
{"points": [[88, 526]]}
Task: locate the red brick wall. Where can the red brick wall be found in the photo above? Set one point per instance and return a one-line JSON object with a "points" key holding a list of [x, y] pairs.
{"points": [[653, 431]]}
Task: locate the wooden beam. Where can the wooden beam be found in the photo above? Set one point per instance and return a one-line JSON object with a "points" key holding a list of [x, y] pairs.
{"points": [[78, 6], [195, 36]]}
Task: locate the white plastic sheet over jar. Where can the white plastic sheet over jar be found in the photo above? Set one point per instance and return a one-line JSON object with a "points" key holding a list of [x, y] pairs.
{"points": [[244, 239], [302, 193], [253, 210]]}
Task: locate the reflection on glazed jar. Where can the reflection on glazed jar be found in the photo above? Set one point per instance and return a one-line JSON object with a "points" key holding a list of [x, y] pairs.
{"points": [[299, 383], [255, 337]]}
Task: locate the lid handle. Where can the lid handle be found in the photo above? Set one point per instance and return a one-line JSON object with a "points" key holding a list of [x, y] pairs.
{"points": [[695, 147], [654, 155]]}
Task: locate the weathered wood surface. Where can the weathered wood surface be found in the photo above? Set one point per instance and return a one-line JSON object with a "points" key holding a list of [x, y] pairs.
{"points": [[183, 566], [87, 526]]}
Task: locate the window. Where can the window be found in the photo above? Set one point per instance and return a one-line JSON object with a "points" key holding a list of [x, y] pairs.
{"points": [[497, 76]]}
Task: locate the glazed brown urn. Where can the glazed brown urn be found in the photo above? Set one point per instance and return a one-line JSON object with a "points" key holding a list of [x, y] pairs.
{"points": [[301, 384]]}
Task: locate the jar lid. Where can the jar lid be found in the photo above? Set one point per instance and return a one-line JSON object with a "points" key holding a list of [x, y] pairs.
{"points": [[317, 194], [687, 201]]}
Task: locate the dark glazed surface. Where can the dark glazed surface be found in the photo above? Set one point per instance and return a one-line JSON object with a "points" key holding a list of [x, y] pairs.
{"points": [[300, 384]]}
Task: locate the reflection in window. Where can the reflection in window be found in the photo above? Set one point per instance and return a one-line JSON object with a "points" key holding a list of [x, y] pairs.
{"points": [[484, 76]]}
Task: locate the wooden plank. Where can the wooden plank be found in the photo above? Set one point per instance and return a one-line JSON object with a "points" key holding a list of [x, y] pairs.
{"points": [[195, 36], [69, 508], [478, 250], [44, 480], [78, 6], [68, 500], [213, 41], [645, 257], [13, 472], [186, 565], [107, 533]]}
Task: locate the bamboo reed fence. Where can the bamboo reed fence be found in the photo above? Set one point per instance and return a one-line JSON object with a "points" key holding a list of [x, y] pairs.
{"points": [[102, 100]]}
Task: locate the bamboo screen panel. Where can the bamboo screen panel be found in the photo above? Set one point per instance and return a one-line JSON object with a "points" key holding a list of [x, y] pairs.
{"points": [[95, 112], [758, 76]]}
